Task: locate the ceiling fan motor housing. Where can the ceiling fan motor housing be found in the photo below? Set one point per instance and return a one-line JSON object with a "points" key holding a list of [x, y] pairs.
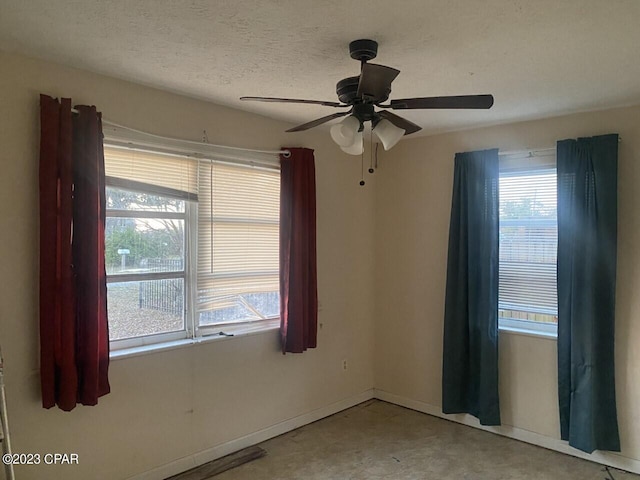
{"points": [[347, 90]]}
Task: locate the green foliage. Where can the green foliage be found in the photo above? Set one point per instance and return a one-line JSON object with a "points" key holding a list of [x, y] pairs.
{"points": [[146, 244], [526, 208], [126, 200], [150, 239]]}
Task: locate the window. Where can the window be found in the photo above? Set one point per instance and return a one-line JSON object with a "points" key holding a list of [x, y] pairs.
{"points": [[145, 260], [238, 246], [191, 246], [527, 298]]}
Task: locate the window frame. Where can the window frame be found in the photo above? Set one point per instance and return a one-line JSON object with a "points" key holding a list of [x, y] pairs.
{"points": [[528, 161], [187, 217]]}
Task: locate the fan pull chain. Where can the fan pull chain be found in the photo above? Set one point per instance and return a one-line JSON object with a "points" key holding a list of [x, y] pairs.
{"points": [[362, 169], [377, 145], [371, 170]]}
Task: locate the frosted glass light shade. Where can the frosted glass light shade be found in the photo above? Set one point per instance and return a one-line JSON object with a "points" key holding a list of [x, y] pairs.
{"points": [[357, 147], [344, 133], [388, 133]]}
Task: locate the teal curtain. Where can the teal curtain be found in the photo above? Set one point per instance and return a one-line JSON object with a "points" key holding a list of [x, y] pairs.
{"points": [[587, 223], [470, 357]]}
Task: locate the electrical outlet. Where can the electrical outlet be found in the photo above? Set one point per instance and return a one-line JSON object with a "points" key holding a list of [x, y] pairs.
{"points": [[344, 364]]}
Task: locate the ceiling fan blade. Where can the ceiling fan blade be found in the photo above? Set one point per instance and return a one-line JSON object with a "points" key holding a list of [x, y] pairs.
{"points": [[403, 123], [375, 81], [292, 100], [318, 121], [461, 101]]}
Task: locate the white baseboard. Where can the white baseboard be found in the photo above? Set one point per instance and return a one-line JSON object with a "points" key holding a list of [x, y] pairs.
{"points": [[213, 453], [611, 459]]}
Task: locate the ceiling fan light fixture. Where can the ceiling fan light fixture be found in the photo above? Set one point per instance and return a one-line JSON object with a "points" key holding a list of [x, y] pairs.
{"points": [[345, 132], [388, 133], [357, 147]]}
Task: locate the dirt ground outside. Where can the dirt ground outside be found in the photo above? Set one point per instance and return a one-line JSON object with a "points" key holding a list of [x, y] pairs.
{"points": [[127, 319]]}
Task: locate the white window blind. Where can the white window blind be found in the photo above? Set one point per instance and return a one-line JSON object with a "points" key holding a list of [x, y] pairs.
{"points": [[154, 172], [238, 243], [528, 241]]}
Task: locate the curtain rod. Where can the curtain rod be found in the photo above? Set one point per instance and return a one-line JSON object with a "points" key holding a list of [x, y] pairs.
{"points": [[285, 153], [532, 152]]}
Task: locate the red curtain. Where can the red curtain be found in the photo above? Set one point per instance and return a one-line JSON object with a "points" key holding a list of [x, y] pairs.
{"points": [[74, 338], [298, 270]]}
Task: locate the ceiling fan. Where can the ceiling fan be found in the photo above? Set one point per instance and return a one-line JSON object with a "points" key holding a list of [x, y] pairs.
{"points": [[369, 90]]}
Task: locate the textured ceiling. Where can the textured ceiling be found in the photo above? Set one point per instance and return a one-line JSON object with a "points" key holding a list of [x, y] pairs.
{"points": [[537, 57]]}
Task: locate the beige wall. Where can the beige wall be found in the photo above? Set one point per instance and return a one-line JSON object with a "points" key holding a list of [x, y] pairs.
{"points": [[171, 404], [413, 200]]}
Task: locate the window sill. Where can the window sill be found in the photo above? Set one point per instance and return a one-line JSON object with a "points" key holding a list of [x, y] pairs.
{"points": [[173, 345], [528, 333]]}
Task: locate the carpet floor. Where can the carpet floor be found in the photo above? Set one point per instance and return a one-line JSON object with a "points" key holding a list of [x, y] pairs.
{"points": [[378, 440]]}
